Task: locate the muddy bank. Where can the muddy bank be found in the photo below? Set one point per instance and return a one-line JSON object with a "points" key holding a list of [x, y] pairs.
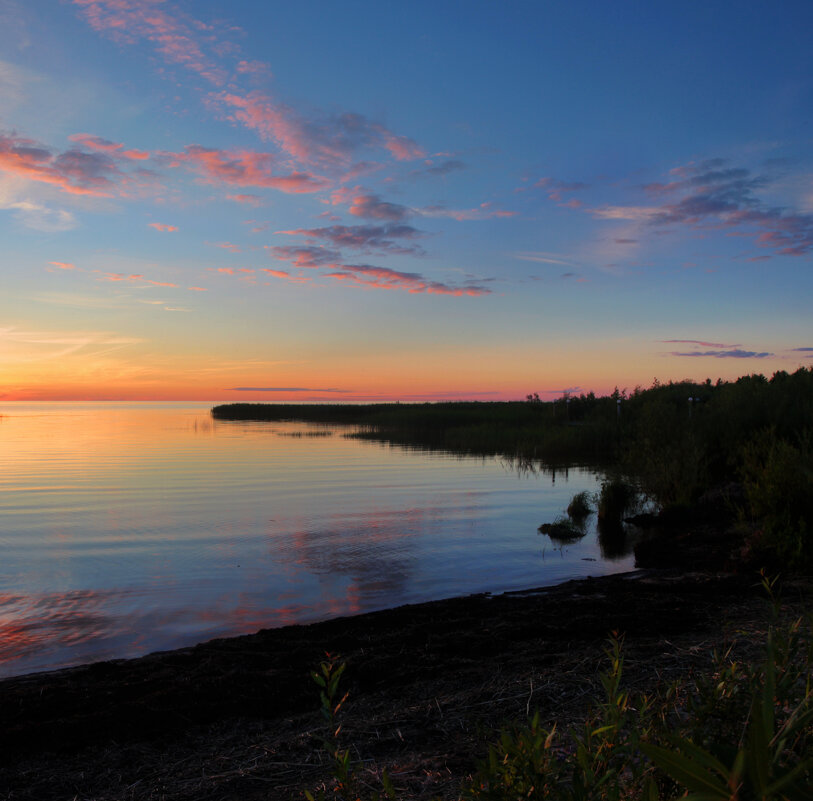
{"points": [[237, 718]]}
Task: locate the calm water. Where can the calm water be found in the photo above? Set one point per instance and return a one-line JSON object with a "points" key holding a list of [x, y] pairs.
{"points": [[130, 528]]}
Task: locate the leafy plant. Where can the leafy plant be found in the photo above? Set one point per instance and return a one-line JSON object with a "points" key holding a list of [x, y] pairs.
{"points": [[345, 785]]}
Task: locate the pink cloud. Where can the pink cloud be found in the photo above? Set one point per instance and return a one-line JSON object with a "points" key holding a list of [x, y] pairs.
{"points": [[248, 199], [286, 276], [225, 246], [176, 38], [197, 288], [135, 278], [112, 149], [327, 140], [120, 277], [256, 69], [72, 171], [163, 227], [383, 278], [304, 257], [159, 283], [243, 168], [371, 206], [63, 265], [226, 270]]}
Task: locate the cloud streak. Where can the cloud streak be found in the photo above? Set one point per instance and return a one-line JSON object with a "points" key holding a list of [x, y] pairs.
{"points": [[242, 168], [329, 141], [736, 353], [387, 237], [370, 277]]}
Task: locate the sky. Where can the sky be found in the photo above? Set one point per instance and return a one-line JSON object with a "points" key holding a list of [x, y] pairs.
{"points": [[370, 201]]}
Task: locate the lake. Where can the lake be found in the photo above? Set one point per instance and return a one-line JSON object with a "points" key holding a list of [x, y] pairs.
{"points": [[127, 528]]}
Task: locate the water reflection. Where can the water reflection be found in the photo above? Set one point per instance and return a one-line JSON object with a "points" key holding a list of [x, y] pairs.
{"points": [[135, 527]]}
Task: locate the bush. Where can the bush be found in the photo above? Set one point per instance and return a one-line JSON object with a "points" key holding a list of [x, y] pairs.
{"points": [[778, 480]]}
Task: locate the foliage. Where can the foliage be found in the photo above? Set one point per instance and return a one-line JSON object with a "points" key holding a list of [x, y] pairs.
{"points": [[778, 480]]}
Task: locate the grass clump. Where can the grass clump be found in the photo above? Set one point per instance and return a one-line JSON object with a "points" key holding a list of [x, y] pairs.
{"points": [[616, 499], [579, 506], [562, 530]]}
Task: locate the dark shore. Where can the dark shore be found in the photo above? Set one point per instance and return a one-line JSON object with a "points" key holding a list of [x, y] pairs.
{"points": [[429, 684]]}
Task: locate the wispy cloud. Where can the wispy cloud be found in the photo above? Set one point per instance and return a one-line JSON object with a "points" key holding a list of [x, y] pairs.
{"points": [[736, 353], [112, 149], [247, 199], [242, 168], [63, 265], [544, 258], [23, 345], [560, 191], [439, 168], [329, 141], [697, 342], [38, 216], [176, 37], [304, 257], [163, 227], [371, 277], [230, 246], [713, 195], [387, 238], [285, 275], [285, 389], [485, 211]]}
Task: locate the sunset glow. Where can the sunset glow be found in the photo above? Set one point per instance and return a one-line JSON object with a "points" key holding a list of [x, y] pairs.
{"points": [[361, 202]]}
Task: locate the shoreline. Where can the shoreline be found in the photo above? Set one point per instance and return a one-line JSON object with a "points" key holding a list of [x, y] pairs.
{"points": [[253, 693]]}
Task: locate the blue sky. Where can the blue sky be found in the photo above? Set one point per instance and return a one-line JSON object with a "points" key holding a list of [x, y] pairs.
{"points": [[373, 200]]}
